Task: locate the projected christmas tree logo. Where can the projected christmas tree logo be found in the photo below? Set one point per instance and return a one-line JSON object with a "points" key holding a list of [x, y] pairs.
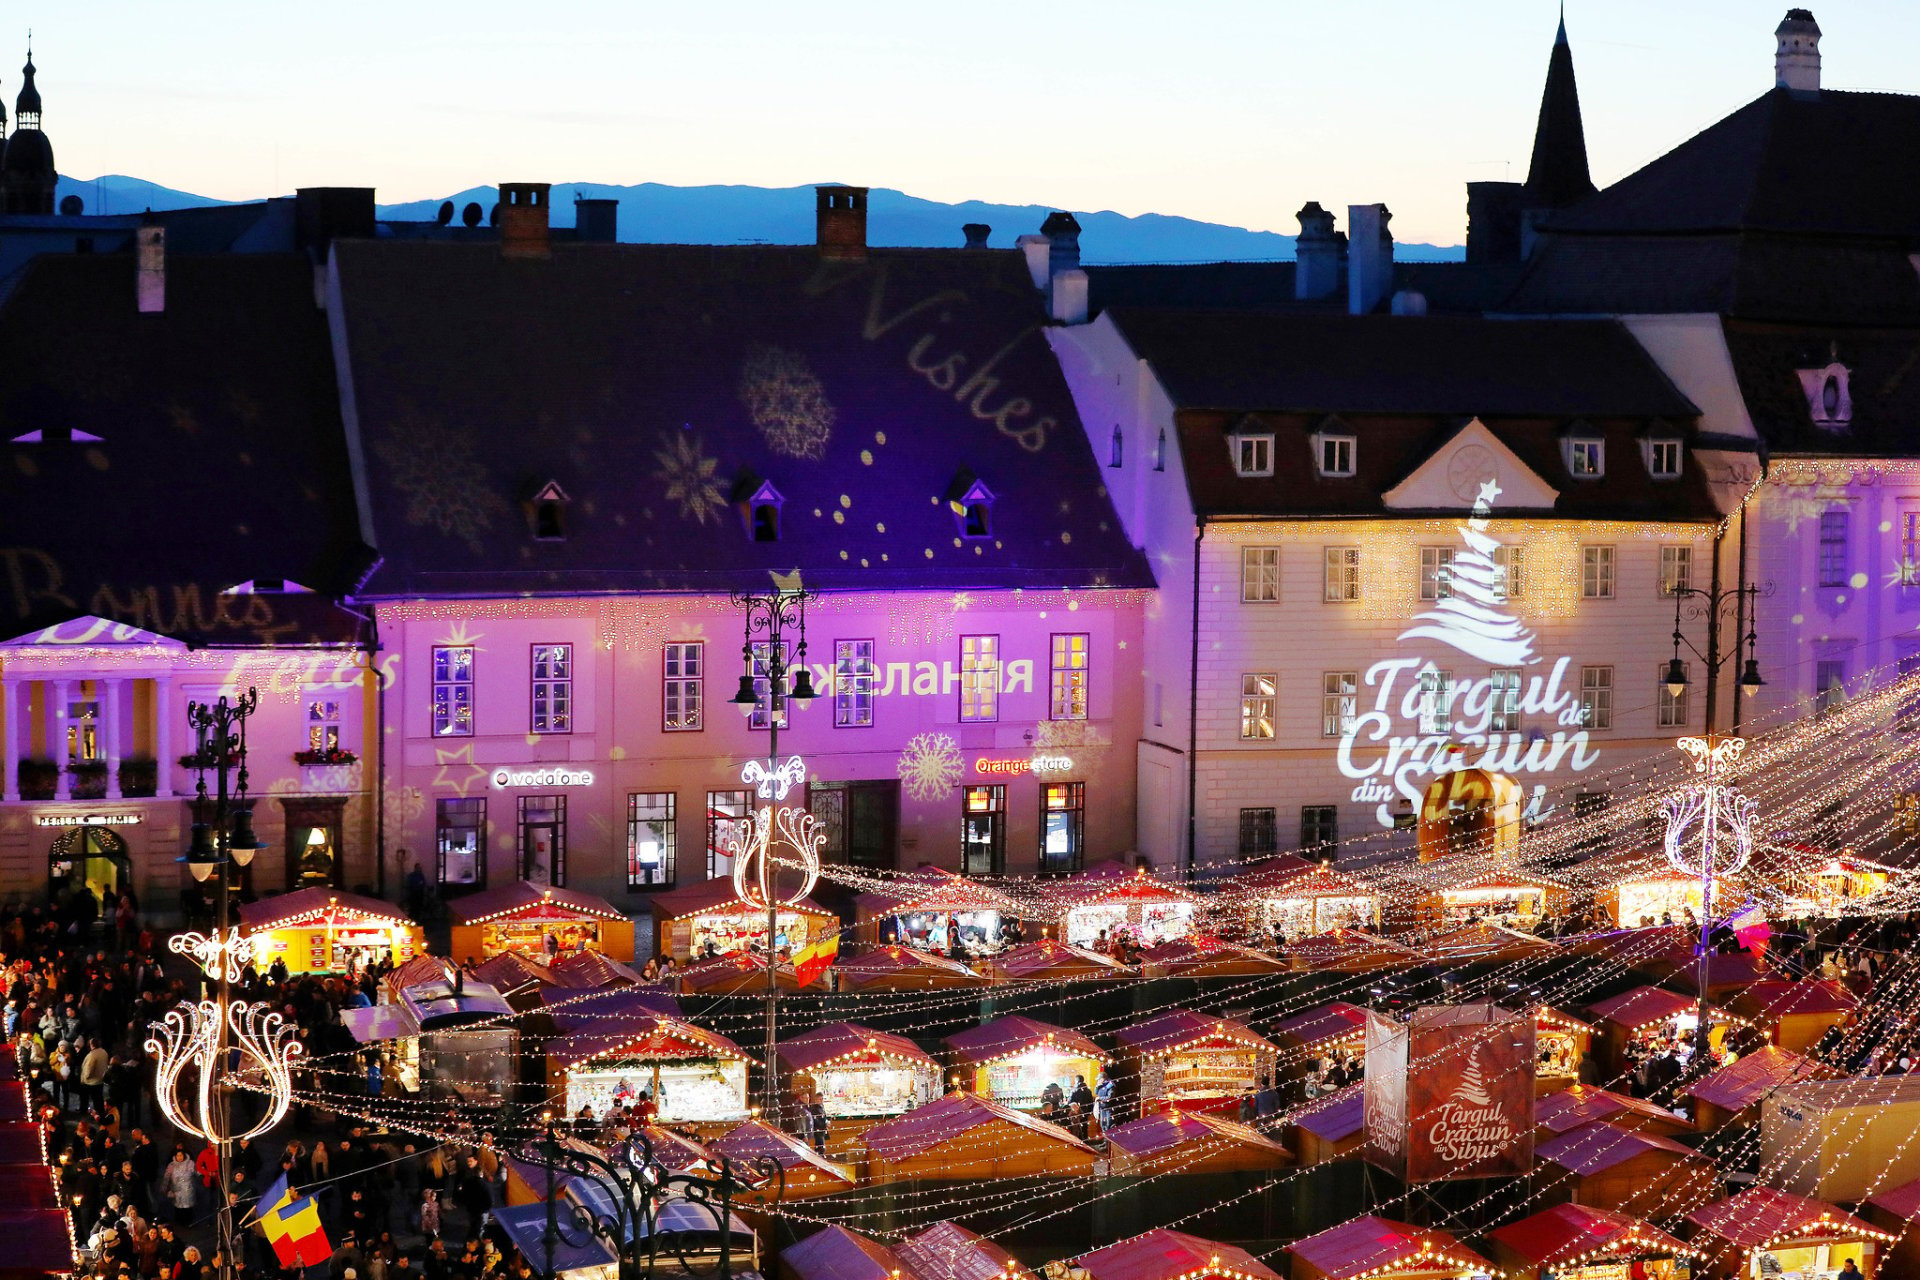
{"points": [[1473, 589]]}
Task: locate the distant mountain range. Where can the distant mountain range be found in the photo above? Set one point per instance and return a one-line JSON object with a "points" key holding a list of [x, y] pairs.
{"points": [[652, 213]]}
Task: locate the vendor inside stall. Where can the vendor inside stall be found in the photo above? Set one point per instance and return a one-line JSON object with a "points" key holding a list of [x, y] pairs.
{"points": [[684, 1074], [1501, 897], [938, 911], [1112, 902], [709, 919], [1774, 1233], [855, 1074], [539, 922], [1190, 1061], [1293, 897], [1648, 1032], [324, 930], [1028, 1065], [1562, 1041]]}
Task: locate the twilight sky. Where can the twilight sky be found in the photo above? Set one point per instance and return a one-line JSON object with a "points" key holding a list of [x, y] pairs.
{"points": [[1233, 111]]}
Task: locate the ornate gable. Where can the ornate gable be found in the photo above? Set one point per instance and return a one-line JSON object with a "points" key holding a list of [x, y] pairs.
{"points": [[1452, 477]]}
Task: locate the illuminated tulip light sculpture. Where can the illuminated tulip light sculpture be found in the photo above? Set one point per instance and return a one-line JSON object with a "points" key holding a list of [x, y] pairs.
{"points": [[1709, 833]]}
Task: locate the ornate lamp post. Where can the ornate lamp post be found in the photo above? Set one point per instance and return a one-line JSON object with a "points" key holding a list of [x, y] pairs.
{"points": [[206, 1035], [755, 876]]}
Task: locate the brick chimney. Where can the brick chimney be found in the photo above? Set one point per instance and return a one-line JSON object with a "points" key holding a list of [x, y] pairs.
{"points": [[1369, 257], [523, 219], [150, 267], [840, 222], [1317, 251], [1796, 57]]}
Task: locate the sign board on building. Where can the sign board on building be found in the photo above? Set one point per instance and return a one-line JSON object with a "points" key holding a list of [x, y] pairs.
{"points": [[551, 777], [87, 820]]}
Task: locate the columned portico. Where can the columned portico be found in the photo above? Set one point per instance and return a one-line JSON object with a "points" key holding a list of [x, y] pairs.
{"points": [[57, 739], [110, 730], [10, 715]]}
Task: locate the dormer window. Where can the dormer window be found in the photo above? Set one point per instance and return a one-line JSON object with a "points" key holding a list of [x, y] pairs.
{"points": [[1663, 454], [1335, 454], [972, 505], [57, 435], [1829, 392], [1117, 449], [1584, 451], [1252, 455], [547, 513], [759, 503]]}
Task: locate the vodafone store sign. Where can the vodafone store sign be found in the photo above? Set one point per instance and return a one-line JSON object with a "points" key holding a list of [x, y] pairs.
{"points": [[504, 778]]}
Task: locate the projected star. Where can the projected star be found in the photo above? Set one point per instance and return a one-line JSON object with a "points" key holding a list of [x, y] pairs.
{"points": [[1489, 490], [451, 761]]}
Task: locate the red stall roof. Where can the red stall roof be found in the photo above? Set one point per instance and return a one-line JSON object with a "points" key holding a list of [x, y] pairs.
{"points": [[948, 1251], [574, 1010], [757, 1140], [1597, 1147], [1567, 1233], [1184, 1028], [315, 906], [1737, 969], [839, 1254], [903, 965], [1152, 1135], [37, 1243], [1336, 1115], [1115, 881], [1745, 1081], [1902, 1202], [945, 1119], [936, 889], [1348, 950], [1763, 1216], [20, 1142], [1016, 1033], [1779, 998], [1050, 957], [1161, 1254], [1569, 1108], [590, 969], [1324, 1022], [1642, 1007], [850, 1041], [522, 898], [14, 1104], [1373, 1243], [644, 1036], [1195, 954], [717, 895], [510, 971], [1292, 876]]}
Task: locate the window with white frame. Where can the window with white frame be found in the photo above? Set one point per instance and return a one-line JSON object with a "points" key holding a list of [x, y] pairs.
{"points": [[1596, 573], [453, 691], [1596, 697], [1510, 572], [1336, 455], [1829, 685], [1069, 682], [1910, 547], [1342, 574], [727, 820], [1663, 459], [323, 725], [683, 690], [552, 688], [1260, 575], [1503, 700], [1586, 457], [979, 677], [1253, 455], [1436, 701], [1670, 708], [1833, 548], [651, 836], [1258, 691], [1676, 569], [1339, 702], [763, 715], [853, 680], [1436, 573]]}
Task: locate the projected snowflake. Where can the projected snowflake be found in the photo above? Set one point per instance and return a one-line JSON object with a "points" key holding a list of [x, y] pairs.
{"points": [[931, 766], [445, 486], [686, 474], [786, 401]]}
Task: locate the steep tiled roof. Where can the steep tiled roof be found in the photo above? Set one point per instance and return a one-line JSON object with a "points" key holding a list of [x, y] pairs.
{"points": [[1883, 386]]}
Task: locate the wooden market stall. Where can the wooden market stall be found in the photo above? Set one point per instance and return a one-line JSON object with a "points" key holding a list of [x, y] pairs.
{"points": [[590, 970], [1841, 1140], [1810, 881], [1795, 1013], [1293, 897], [708, 918], [1332, 1126], [1051, 961], [1178, 1141], [441, 1032], [861, 1075], [1733, 1094], [949, 1251], [807, 1172], [1728, 973], [1202, 956], [1562, 1040], [1011, 1060], [1162, 1254], [519, 981], [1629, 1170], [1483, 942], [1381, 1247], [964, 1137], [1640, 889], [1565, 1110], [1638, 1019], [573, 1255], [836, 1253], [1767, 1232], [1507, 896], [904, 969], [324, 930], [696, 1078], [935, 910], [1579, 1242], [1311, 1036], [1349, 951], [1895, 1211], [1111, 899], [537, 921], [737, 973], [1193, 1062]]}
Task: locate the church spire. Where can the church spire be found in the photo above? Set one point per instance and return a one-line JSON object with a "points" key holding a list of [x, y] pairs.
{"points": [[26, 108], [1557, 176]]}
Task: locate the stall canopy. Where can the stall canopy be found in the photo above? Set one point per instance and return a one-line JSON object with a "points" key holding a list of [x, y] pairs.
{"points": [[836, 1253], [641, 1035], [522, 917], [1747, 1080], [808, 1173], [1485, 943], [1207, 957], [1567, 1109], [1161, 1254], [318, 929], [687, 918], [1374, 1244], [1797, 1013], [590, 1010], [1763, 1216], [1111, 897], [38, 1243], [1332, 1119], [736, 973], [1349, 951], [948, 1251], [1597, 1147], [905, 969], [839, 1043], [1193, 1142], [589, 970], [964, 1136], [1335, 1021], [1015, 1034], [1726, 973], [933, 891], [1571, 1235], [1642, 1007], [1298, 896], [1047, 960], [1179, 1029], [511, 974]]}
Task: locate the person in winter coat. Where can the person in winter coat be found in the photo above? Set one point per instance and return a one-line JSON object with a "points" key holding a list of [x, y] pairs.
{"points": [[180, 1183], [207, 1165], [430, 1214]]}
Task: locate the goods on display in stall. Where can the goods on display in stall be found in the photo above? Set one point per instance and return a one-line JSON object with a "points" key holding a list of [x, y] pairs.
{"points": [[710, 918], [1450, 1093], [1767, 1232], [858, 1071], [1195, 1061], [936, 910], [1376, 1246], [1014, 1059], [1112, 900], [1643, 1021], [537, 921], [1580, 1242], [1293, 897], [693, 1076], [1516, 899], [1641, 889], [323, 930], [1813, 882], [1561, 1041]]}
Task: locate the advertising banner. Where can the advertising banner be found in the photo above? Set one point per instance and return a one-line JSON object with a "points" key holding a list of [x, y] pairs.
{"points": [[1450, 1094]]}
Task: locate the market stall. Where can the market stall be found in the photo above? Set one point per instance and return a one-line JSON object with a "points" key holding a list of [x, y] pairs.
{"points": [[1292, 897], [1012, 1060], [1841, 1139], [539, 922], [904, 969], [441, 1033], [807, 1172], [1565, 1110], [1768, 1232], [1628, 1170], [1483, 942], [1514, 898], [836, 1253], [735, 974], [1332, 1126], [859, 1074], [1188, 1142], [1795, 1014], [519, 981], [1562, 1041], [1578, 1242], [1894, 1211], [1640, 890], [1203, 956], [964, 1137], [695, 1077], [1050, 961], [1349, 951], [1161, 1254], [1192, 1061], [591, 970], [708, 919], [935, 910], [1733, 1094], [1317, 1035], [323, 930], [1811, 881], [1112, 899], [1629, 1026], [949, 1251], [1380, 1247]]}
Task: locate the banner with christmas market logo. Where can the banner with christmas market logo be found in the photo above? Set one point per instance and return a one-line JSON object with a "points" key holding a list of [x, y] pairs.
{"points": [[1459, 1101]]}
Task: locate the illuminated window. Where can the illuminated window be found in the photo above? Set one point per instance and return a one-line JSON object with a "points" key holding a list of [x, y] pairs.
{"points": [[323, 724], [1339, 702], [1253, 455], [1670, 708], [1596, 573], [650, 839], [1586, 457], [1510, 572], [1663, 459], [1503, 700], [1319, 829], [1260, 574], [1336, 455], [1909, 548], [1063, 815], [1259, 831], [979, 677], [83, 731], [543, 840], [983, 831], [1436, 573], [453, 691], [1436, 701], [1342, 574], [553, 688], [1596, 697], [1069, 701], [460, 838], [853, 679], [683, 690], [1257, 694], [1676, 569], [763, 713], [1833, 548], [727, 814], [1829, 686]]}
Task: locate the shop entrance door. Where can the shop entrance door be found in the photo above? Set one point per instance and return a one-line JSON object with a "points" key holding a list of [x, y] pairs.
{"points": [[90, 858], [859, 820]]}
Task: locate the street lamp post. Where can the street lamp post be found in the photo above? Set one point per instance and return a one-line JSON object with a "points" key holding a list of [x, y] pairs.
{"points": [[770, 616]]}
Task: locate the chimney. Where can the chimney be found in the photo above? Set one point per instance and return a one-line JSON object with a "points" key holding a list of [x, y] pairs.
{"points": [[1066, 282], [523, 219], [1796, 57], [1369, 257], [1034, 248], [150, 267], [976, 234], [322, 215], [1493, 221], [1316, 254], [840, 222], [596, 221]]}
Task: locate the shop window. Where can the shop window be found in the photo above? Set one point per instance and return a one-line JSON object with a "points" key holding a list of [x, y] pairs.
{"points": [[1258, 692], [1596, 697], [543, 840], [651, 837], [983, 831], [1596, 573], [727, 814], [1671, 708], [1676, 570], [979, 677], [1260, 575], [1436, 573], [1342, 575], [853, 681], [1063, 825], [1833, 548], [453, 691], [1339, 702], [1069, 683], [323, 725], [1259, 832], [552, 688], [460, 837], [762, 715], [683, 694], [1319, 829]]}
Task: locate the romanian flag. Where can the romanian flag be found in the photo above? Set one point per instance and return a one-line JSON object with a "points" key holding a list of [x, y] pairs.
{"points": [[812, 960], [292, 1224]]}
